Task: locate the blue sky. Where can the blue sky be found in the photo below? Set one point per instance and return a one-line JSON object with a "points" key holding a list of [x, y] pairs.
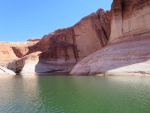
{"points": [[24, 19]]}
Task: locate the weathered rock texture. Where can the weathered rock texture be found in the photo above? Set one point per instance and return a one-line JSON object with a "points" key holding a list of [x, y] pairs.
{"points": [[78, 41], [12, 52], [61, 49], [121, 37], [127, 52], [129, 18], [129, 56]]}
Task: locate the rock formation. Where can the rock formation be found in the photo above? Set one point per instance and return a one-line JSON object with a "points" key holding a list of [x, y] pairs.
{"points": [[121, 38], [87, 36], [130, 56], [34, 39], [127, 52], [61, 49], [4, 71], [129, 18], [13, 51]]}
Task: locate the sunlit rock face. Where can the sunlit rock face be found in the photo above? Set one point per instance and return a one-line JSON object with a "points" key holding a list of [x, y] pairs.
{"points": [[10, 51], [130, 56], [13, 50], [59, 50], [121, 38], [11, 54], [87, 36], [127, 51]]}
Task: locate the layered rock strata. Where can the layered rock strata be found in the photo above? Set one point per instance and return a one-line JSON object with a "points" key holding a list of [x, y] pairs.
{"points": [[127, 52], [121, 38], [128, 56], [129, 18], [61, 49], [76, 42]]}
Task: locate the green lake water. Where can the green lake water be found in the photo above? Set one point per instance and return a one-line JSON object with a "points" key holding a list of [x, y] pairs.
{"points": [[74, 94]]}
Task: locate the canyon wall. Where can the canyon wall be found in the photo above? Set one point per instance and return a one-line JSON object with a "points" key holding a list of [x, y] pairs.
{"points": [[87, 36], [126, 57], [129, 18], [61, 49], [112, 42], [127, 51]]}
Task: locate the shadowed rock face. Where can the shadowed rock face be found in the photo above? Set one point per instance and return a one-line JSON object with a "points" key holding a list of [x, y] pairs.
{"points": [[61, 45], [33, 39], [20, 51]]}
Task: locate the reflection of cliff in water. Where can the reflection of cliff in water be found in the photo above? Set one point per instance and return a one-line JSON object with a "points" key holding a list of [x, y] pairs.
{"points": [[58, 93]]}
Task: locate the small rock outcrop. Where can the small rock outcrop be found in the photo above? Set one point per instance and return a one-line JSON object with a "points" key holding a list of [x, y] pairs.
{"points": [[11, 52], [34, 39]]}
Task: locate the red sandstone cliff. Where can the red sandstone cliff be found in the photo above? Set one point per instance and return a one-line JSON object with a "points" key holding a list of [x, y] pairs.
{"points": [[61, 49], [76, 42], [129, 18], [121, 38], [127, 52]]}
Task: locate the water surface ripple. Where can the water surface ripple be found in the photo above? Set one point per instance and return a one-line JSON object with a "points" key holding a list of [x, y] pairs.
{"points": [[74, 94]]}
